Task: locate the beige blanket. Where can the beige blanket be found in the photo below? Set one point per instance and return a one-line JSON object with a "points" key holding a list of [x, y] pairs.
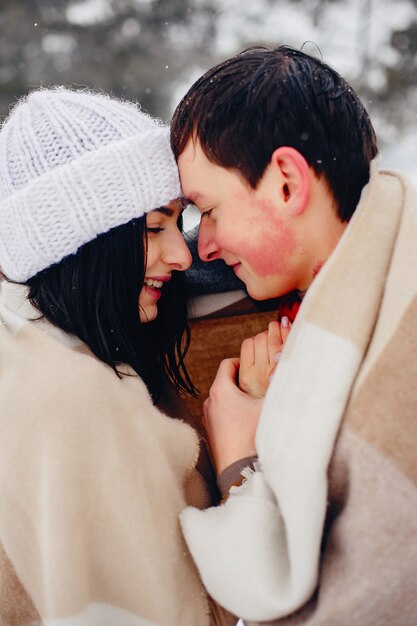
{"points": [[326, 530]]}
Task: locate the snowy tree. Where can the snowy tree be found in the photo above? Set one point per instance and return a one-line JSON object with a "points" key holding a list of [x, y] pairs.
{"points": [[151, 50]]}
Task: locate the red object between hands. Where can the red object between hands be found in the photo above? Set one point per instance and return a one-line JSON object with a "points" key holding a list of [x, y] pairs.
{"points": [[288, 306]]}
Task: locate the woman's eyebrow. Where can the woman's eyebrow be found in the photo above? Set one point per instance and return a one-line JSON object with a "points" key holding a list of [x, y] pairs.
{"points": [[164, 210]]}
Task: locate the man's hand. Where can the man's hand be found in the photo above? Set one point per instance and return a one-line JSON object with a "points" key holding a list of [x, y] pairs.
{"points": [[230, 417], [258, 358]]}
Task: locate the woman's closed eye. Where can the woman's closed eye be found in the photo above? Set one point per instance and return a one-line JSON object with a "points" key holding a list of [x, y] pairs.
{"points": [[154, 230]]}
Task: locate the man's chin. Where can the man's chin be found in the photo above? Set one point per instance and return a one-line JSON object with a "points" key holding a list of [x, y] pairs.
{"points": [[256, 294], [259, 293]]}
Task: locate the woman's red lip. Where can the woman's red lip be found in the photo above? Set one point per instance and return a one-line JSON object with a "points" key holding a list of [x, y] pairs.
{"points": [[153, 291]]}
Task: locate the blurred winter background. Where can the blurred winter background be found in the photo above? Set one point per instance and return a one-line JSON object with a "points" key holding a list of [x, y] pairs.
{"points": [[152, 50]]}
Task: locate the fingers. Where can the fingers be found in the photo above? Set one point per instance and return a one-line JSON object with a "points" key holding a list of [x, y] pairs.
{"points": [[259, 356], [285, 328], [227, 375], [254, 365], [247, 353], [260, 342], [274, 340], [264, 346], [228, 368]]}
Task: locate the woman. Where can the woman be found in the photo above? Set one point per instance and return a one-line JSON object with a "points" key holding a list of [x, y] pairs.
{"points": [[93, 475]]}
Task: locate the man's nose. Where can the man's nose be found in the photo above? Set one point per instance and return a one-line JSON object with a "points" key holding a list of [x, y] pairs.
{"points": [[208, 249]]}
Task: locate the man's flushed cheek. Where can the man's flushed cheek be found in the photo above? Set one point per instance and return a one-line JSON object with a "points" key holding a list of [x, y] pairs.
{"points": [[272, 242], [256, 236], [270, 255]]}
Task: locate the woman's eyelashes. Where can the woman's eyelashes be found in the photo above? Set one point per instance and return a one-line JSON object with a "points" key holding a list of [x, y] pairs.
{"points": [[154, 229], [160, 222]]}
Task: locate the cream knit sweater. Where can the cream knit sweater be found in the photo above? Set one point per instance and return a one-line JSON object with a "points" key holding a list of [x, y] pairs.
{"points": [[92, 481]]}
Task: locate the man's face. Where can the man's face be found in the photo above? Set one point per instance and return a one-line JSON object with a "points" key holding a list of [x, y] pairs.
{"points": [[249, 229]]}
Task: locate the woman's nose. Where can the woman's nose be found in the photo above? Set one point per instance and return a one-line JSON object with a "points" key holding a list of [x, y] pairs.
{"points": [[178, 253]]}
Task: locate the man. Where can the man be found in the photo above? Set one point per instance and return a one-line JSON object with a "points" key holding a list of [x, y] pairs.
{"points": [[278, 153]]}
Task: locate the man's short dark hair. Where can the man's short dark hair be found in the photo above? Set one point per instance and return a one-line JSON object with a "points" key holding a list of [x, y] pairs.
{"points": [[261, 99]]}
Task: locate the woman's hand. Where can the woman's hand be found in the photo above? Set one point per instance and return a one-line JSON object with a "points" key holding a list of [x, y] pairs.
{"points": [[259, 356]]}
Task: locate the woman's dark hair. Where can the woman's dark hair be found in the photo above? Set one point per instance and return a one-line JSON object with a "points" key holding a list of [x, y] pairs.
{"points": [[245, 108], [94, 294]]}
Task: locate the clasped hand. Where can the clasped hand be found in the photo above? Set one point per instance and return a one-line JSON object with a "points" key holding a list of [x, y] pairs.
{"points": [[231, 411]]}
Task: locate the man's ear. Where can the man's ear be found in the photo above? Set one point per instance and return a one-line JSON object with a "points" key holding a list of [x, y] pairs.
{"points": [[294, 177]]}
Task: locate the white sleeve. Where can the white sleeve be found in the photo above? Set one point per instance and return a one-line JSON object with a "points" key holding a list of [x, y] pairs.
{"points": [[241, 550]]}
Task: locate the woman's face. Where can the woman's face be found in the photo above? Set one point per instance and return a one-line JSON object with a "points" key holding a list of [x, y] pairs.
{"points": [[166, 252]]}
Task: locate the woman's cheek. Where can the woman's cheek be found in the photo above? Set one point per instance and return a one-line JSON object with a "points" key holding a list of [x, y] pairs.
{"points": [[151, 253]]}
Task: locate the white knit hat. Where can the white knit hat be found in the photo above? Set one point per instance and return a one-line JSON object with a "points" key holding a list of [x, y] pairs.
{"points": [[74, 164]]}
